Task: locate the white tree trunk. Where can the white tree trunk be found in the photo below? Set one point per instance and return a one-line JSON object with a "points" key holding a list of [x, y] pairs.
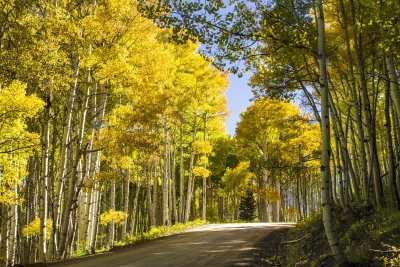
{"points": [[13, 231], [165, 181], [190, 185], [327, 208], [4, 235], [44, 181], [127, 180]]}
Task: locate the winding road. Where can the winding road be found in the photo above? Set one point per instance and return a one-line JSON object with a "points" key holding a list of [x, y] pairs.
{"points": [[209, 245]]}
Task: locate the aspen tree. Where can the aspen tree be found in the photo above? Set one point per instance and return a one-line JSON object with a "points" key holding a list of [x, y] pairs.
{"points": [[328, 218], [355, 97]]}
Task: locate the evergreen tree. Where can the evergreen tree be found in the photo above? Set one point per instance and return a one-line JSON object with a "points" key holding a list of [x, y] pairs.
{"points": [[247, 207]]}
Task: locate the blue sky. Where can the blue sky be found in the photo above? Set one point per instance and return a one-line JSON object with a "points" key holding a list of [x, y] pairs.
{"points": [[238, 96]]}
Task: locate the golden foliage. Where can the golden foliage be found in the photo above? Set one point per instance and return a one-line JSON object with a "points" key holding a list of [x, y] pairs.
{"points": [[238, 180], [16, 142], [201, 171], [33, 228], [112, 216], [202, 147]]}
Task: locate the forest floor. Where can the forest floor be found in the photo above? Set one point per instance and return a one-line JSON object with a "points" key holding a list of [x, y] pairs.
{"points": [[368, 239], [238, 244]]}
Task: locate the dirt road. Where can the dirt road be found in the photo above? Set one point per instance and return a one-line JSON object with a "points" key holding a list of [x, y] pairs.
{"points": [[208, 245]]}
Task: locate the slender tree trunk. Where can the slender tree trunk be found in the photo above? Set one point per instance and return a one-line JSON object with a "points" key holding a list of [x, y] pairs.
{"points": [[221, 209], [391, 156], [89, 219], [155, 195], [13, 240], [127, 179], [374, 164], [396, 144], [73, 177], [181, 179], [94, 208], [4, 235], [44, 180], [394, 82], [263, 202], [64, 153], [298, 205], [150, 206], [189, 194], [275, 206], [204, 198], [111, 235], [165, 181], [354, 94], [173, 181], [328, 218], [96, 215], [135, 209]]}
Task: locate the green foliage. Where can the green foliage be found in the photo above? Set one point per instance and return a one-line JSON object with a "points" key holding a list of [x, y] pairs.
{"points": [[307, 244], [80, 249], [238, 180], [222, 156], [103, 249], [391, 257], [272, 261], [119, 244], [374, 232], [192, 22], [156, 232], [86, 89], [124, 83], [247, 207], [370, 240]]}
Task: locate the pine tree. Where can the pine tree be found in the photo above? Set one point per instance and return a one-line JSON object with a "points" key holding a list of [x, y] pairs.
{"points": [[247, 207]]}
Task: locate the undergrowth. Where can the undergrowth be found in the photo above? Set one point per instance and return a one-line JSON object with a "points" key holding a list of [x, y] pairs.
{"points": [[157, 232], [153, 233], [372, 239]]}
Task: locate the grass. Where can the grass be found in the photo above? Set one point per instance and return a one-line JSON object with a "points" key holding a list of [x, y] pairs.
{"points": [[157, 232], [368, 240], [153, 233], [372, 239]]}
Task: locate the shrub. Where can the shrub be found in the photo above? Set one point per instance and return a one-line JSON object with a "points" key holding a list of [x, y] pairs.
{"points": [[160, 231], [118, 217], [33, 228]]}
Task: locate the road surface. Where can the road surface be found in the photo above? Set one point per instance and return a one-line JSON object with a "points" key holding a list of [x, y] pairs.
{"points": [[209, 245]]}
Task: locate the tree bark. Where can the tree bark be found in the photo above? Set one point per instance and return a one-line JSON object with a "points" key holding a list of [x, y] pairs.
{"points": [[165, 181], [204, 198], [4, 235], [189, 194], [73, 177], [391, 155], [263, 202], [44, 180], [374, 164], [328, 218], [127, 181], [173, 181], [359, 124], [181, 179], [111, 235]]}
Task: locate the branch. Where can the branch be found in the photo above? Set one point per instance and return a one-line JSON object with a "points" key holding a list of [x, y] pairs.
{"points": [[384, 251], [92, 150], [294, 241]]}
